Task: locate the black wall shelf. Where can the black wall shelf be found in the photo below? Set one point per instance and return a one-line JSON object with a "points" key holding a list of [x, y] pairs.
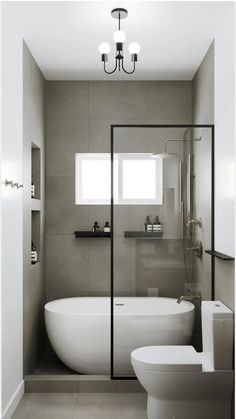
{"points": [[143, 234], [219, 255], [90, 234]]}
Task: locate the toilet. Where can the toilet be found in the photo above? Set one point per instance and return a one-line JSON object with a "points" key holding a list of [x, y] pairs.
{"points": [[184, 384]]}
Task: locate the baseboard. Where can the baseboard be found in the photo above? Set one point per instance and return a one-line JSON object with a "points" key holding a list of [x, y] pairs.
{"points": [[13, 403]]}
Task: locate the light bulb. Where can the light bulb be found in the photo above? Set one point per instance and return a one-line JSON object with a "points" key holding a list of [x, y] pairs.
{"points": [[104, 48], [119, 37], [134, 48]]}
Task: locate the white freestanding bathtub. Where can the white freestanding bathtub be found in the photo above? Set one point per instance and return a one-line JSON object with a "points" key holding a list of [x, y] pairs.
{"points": [[79, 329]]}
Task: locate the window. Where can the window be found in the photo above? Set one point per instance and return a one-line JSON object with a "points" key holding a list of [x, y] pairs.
{"points": [[137, 179]]}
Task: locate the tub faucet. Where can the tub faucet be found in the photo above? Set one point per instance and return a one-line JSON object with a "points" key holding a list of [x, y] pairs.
{"points": [[188, 298]]}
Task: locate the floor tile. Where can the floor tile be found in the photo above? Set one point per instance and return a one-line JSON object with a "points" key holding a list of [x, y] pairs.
{"points": [[110, 406], [46, 406]]}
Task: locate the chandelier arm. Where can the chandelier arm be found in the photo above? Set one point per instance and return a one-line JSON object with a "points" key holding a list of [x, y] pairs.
{"points": [[128, 72], [110, 72]]}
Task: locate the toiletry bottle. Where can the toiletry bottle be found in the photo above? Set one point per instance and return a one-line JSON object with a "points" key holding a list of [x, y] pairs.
{"points": [[157, 225], [145, 226], [107, 227], [32, 190], [148, 224], [34, 254], [95, 227]]}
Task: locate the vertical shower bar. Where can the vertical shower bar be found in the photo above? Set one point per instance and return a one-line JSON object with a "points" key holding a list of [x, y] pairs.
{"points": [[212, 210], [112, 271]]}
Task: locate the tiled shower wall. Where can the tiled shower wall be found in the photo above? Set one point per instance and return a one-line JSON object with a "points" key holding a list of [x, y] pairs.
{"points": [[78, 119]]}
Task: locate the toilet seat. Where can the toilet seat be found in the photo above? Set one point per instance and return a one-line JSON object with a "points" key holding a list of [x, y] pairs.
{"points": [[167, 358]]}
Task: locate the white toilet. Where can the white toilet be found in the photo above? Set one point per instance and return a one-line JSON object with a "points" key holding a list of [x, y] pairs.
{"points": [[184, 384]]}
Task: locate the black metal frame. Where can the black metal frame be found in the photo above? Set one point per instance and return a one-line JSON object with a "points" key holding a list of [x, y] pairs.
{"points": [[210, 126]]}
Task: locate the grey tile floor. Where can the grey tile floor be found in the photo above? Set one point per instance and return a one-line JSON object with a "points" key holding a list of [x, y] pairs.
{"points": [[82, 406]]}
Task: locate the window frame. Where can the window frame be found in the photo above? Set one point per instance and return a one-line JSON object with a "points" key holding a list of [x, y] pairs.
{"points": [[117, 191]]}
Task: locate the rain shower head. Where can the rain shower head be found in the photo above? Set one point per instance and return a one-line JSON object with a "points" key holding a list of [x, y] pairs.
{"points": [[164, 155]]}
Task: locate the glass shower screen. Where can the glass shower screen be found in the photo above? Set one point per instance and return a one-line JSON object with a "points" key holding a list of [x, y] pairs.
{"points": [[160, 182]]}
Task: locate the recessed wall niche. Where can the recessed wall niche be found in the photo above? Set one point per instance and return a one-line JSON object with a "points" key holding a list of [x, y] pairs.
{"points": [[35, 232], [35, 171]]}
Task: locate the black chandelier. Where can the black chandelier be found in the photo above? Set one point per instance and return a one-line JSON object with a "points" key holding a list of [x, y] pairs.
{"points": [[119, 38]]}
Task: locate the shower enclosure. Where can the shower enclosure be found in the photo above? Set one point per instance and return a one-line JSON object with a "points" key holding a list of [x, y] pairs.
{"points": [[162, 218]]}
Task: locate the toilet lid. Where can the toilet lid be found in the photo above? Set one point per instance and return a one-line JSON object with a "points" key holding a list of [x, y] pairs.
{"points": [[168, 358]]}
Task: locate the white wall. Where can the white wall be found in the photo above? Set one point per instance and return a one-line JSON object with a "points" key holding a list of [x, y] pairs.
{"points": [[203, 113], [224, 131], [12, 217], [213, 101], [34, 283]]}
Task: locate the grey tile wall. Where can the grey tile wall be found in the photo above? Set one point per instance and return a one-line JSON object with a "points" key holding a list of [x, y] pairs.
{"points": [[79, 115]]}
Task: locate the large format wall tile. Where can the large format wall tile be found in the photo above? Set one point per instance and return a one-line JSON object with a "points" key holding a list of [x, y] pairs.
{"points": [[169, 99], [121, 267], [67, 265], [62, 215], [64, 138], [124, 140], [117, 99], [99, 267], [67, 99], [79, 117]]}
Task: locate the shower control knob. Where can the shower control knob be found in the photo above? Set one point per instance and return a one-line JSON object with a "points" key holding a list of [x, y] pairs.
{"points": [[197, 249]]}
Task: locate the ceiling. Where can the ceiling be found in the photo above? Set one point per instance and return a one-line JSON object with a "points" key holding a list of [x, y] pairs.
{"points": [[64, 36]]}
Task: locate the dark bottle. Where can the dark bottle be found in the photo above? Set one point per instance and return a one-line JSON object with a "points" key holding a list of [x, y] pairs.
{"points": [[95, 227], [34, 254], [148, 224], [157, 225], [32, 190], [107, 227]]}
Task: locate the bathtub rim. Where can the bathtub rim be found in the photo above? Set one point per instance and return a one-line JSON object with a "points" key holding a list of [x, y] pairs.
{"points": [[189, 308]]}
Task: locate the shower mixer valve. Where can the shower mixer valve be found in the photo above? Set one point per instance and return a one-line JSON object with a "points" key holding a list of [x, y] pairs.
{"points": [[197, 249], [194, 221]]}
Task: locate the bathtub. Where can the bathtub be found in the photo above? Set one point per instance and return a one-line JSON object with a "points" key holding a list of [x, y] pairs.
{"points": [[79, 329]]}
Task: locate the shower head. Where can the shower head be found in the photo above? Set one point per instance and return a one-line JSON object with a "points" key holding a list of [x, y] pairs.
{"points": [[164, 155]]}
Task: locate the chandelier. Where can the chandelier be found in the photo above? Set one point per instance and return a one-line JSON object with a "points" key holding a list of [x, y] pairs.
{"points": [[119, 39]]}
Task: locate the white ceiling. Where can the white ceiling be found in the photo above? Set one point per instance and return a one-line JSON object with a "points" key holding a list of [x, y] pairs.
{"points": [[64, 36]]}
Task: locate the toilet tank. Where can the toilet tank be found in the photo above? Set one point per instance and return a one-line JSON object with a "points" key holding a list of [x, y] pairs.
{"points": [[217, 334]]}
